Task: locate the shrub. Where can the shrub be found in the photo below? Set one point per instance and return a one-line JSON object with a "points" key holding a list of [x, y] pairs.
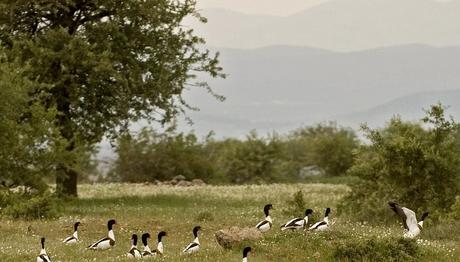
{"points": [[415, 165], [326, 146], [455, 210], [296, 205], [160, 156], [27, 205], [377, 250], [256, 160]]}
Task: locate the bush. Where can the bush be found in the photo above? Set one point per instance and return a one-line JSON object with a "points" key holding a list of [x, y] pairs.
{"points": [[326, 146], [455, 210], [256, 160], [27, 205], [377, 250], [153, 156], [415, 165], [297, 205]]}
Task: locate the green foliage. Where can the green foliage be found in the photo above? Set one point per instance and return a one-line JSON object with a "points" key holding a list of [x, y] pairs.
{"points": [[26, 204], [110, 61], [102, 64], [256, 160], [325, 145], [152, 156], [417, 166], [29, 144], [455, 210], [377, 250], [296, 205]]}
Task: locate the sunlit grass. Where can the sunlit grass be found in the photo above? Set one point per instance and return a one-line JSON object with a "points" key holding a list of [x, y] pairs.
{"points": [[139, 208]]}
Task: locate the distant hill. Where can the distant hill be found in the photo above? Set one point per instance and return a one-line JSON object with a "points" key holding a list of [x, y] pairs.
{"points": [[407, 107], [339, 25], [284, 87]]}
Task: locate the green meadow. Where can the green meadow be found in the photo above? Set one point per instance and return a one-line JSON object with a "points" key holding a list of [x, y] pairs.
{"points": [[140, 208]]}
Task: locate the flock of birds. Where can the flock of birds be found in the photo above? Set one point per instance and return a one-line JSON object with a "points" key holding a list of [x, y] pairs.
{"points": [[412, 227]]}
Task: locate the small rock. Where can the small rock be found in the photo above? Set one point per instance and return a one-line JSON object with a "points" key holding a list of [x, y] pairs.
{"points": [[184, 183], [198, 182], [179, 178], [228, 238], [167, 183]]}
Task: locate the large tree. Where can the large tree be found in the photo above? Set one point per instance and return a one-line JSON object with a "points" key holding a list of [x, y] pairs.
{"points": [[103, 63]]}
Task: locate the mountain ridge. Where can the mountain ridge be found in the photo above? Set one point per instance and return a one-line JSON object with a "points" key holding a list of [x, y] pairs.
{"points": [[266, 87], [339, 25]]}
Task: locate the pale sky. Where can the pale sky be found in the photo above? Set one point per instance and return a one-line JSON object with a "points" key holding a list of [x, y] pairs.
{"points": [[267, 7]]}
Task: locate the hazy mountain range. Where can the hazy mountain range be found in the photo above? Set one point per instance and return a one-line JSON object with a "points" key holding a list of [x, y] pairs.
{"points": [[339, 25], [281, 87]]}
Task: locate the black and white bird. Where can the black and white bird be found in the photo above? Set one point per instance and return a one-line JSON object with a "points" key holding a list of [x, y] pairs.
{"points": [[107, 242], [267, 223], [147, 251], [160, 248], [324, 224], [246, 250], [74, 237], [409, 220], [133, 251], [43, 257], [297, 223], [195, 245]]}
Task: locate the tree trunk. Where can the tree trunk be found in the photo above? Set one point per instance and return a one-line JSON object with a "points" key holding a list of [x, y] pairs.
{"points": [[67, 176], [66, 182]]}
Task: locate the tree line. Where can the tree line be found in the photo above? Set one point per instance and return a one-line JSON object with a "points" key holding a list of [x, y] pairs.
{"points": [[149, 156]]}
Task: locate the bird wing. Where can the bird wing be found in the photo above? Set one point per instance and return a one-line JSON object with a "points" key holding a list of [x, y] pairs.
{"points": [[411, 220], [69, 239], [94, 245], [317, 224], [400, 211], [261, 223], [295, 222], [191, 245], [134, 252], [44, 258]]}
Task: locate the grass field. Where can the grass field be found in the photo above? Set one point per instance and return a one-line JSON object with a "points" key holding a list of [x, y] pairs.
{"points": [[140, 208]]}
